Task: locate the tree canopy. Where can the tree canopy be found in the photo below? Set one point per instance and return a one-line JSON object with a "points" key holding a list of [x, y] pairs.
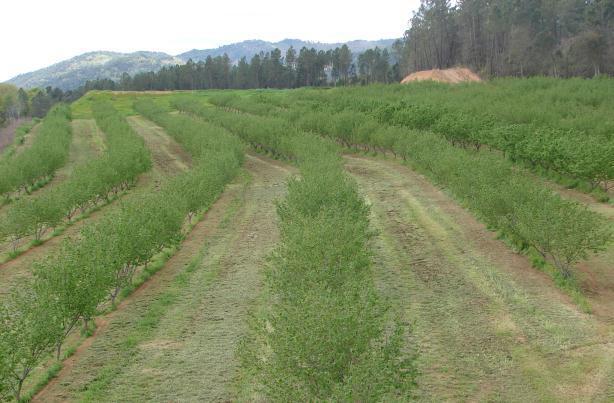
{"points": [[560, 38]]}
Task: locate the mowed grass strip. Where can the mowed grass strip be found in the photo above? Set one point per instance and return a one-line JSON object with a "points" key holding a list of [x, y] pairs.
{"points": [[486, 326], [176, 338]]}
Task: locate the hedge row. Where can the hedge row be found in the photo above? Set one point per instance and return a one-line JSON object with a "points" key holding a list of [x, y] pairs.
{"points": [[553, 136]]}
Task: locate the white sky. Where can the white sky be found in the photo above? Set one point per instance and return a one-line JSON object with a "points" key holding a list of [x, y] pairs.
{"points": [[37, 33]]}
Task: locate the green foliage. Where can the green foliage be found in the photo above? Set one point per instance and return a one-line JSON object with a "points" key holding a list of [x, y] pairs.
{"points": [[561, 38], [102, 260], [20, 137], [558, 125], [28, 332], [328, 336], [488, 184], [90, 184], [48, 152]]}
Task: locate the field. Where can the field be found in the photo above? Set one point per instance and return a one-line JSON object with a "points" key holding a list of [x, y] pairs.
{"points": [[382, 243]]}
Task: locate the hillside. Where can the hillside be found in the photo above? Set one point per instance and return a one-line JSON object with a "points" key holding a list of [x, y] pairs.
{"points": [[72, 73], [251, 47]]}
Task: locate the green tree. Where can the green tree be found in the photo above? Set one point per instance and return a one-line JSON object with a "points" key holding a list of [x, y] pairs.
{"points": [[28, 332]]}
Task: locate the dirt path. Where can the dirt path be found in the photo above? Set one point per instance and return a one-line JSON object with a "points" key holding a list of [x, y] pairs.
{"points": [[175, 338], [87, 143], [7, 133], [165, 151], [486, 325]]}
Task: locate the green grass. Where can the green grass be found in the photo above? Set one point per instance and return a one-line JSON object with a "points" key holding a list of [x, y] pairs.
{"points": [[124, 345], [483, 331], [123, 102]]}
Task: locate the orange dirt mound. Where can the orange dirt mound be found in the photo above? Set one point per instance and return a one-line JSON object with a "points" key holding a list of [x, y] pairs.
{"points": [[452, 76]]}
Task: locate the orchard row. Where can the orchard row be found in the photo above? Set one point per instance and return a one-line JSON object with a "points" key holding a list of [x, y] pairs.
{"points": [[93, 268], [326, 334], [488, 184]]}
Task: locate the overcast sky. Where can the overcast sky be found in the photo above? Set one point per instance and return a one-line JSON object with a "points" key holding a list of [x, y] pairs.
{"points": [[37, 33]]}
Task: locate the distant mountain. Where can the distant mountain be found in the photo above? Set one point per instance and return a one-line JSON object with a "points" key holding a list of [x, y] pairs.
{"points": [[72, 73], [249, 48]]}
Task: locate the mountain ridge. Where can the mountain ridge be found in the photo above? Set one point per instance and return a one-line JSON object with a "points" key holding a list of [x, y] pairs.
{"points": [[71, 73], [257, 45]]}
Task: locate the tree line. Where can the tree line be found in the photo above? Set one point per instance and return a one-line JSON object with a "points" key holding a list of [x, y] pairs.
{"points": [[16, 102], [560, 38], [307, 67]]}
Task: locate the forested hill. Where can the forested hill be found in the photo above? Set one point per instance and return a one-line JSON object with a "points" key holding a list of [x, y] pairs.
{"points": [[73, 73], [560, 38], [250, 48]]}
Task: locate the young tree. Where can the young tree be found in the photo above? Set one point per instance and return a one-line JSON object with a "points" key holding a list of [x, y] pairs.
{"points": [[345, 62], [28, 332], [75, 282]]}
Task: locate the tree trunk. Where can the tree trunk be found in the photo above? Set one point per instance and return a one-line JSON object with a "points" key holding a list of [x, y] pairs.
{"points": [[18, 391]]}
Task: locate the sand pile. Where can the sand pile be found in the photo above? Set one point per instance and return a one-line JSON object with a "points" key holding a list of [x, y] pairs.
{"points": [[452, 76]]}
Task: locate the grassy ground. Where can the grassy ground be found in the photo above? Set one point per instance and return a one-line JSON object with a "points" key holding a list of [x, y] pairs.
{"points": [[166, 153], [486, 325], [175, 339], [87, 144]]}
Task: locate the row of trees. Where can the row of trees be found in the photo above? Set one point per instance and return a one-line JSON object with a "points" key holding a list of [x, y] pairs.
{"points": [[48, 152], [558, 127], [565, 151], [87, 271], [91, 184], [506, 199], [14, 103], [324, 337], [560, 38], [308, 67]]}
